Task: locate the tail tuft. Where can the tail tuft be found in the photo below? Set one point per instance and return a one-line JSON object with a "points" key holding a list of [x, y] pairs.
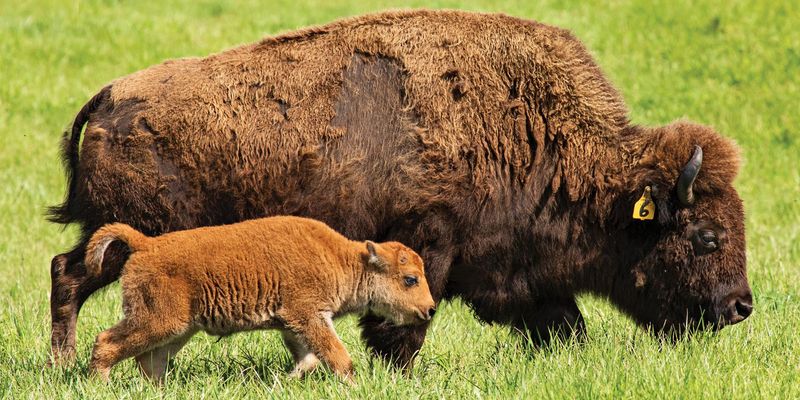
{"points": [[104, 236]]}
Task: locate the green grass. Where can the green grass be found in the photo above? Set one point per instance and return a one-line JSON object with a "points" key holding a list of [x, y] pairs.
{"points": [[733, 65]]}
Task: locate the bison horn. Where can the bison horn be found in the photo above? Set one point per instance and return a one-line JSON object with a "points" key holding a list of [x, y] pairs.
{"points": [[688, 175]]}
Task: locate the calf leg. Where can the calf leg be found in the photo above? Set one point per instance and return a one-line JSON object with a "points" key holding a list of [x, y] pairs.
{"points": [[304, 359], [153, 363], [128, 338], [318, 335], [70, 289], [558, 318]]}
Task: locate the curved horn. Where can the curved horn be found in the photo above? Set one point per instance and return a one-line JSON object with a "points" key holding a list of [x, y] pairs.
{"points": [[688, 175]]}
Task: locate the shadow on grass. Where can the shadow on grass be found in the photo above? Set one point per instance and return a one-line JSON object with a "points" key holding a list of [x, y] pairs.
{"points": [[264, 367]]}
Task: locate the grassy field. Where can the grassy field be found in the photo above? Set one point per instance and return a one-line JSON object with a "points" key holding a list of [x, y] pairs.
{"points": [[733, 65]]}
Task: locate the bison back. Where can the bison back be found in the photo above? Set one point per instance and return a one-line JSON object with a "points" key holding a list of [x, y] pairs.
{"points": [[360, 123]]}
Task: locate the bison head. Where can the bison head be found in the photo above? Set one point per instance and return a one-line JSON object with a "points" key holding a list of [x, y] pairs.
{"points": [[687, 266]]}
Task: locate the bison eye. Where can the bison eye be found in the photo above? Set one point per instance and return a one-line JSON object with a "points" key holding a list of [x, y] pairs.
{"points": [[705, 241], [708, 237], [410, 280]]}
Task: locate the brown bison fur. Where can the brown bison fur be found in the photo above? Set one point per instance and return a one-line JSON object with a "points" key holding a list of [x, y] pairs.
{"points": [[287, 273], [494, 146]]}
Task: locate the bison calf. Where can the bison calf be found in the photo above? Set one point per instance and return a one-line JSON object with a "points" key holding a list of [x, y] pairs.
{"points": [[287, 273]]}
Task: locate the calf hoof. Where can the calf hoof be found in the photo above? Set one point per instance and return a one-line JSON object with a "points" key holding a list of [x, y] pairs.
{"points": [[349, 379], [99, 373]]}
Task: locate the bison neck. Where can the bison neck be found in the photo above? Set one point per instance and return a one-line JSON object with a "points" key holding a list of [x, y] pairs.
{"points": [[552, 237], [596, 244]]}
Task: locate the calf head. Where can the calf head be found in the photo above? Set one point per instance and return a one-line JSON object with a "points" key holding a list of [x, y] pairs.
{"points": [[687, 266], [398, 289]]}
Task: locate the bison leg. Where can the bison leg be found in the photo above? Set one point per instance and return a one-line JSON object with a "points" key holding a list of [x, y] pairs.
{"points": [[558, 318], [400, 344], [396, 344], [70, 289]]}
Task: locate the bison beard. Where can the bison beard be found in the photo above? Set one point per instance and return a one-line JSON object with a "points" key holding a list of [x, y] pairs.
{"points": [[492, 146]]}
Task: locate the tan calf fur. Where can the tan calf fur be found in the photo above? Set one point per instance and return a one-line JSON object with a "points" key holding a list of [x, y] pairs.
{"points": [[287, 273]]}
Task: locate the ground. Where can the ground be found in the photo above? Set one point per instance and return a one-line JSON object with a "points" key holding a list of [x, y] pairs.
{"points": [[735, 66]]}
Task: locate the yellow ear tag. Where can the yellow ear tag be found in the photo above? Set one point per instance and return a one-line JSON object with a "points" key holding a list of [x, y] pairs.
{"points": [[644, 208]]}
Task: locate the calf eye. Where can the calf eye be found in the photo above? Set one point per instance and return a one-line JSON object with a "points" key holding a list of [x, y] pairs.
{"points": [[410, 281]]}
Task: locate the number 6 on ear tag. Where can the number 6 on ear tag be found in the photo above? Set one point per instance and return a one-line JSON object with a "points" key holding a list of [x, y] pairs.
{"points": [[644, 208]]}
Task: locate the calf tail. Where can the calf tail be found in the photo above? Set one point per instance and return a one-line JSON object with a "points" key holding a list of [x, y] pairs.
{"points": [[63, 213], [104, 236]]}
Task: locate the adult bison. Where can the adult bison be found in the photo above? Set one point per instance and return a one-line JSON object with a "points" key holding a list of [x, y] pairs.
{"points": [[492, 145]]}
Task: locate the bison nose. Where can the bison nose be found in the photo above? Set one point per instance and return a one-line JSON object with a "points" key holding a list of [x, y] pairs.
{"points": [[738, 309], [744, 307]]}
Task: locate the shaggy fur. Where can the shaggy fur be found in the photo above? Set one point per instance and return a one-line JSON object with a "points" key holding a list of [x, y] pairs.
{"points": [[494, 146], [287, 273]]}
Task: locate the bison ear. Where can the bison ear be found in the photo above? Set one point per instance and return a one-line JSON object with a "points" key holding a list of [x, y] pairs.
{"points": [[691, 159], [375, 260]]}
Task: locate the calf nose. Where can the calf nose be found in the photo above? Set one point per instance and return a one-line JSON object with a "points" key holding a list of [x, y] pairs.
{"points": [[431, 312]]}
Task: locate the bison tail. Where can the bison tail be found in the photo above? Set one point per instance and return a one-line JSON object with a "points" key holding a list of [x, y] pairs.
{"points": [[70, 143], [104, 237]]}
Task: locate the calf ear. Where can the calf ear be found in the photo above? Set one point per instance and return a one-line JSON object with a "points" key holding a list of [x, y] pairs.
{"points": [[375, 260]]}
